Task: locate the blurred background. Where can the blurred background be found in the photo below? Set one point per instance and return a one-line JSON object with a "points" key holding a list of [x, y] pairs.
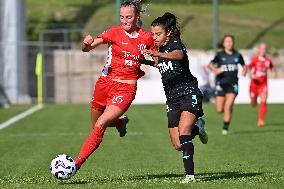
{"points": [[40, 45]]}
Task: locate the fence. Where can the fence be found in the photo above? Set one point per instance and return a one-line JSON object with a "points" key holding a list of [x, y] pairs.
{"points": [[69, 75]]}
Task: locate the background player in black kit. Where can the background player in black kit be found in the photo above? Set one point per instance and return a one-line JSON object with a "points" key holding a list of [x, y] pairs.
{"points": [[184, 99], [225, 67]]}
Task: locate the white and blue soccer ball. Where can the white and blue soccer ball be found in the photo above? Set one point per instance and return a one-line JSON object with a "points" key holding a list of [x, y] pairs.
{"points": [[63, 167]]}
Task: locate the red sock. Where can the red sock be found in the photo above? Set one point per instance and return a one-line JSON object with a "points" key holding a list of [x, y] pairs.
{"points": [[90, 145], [262, 111]]}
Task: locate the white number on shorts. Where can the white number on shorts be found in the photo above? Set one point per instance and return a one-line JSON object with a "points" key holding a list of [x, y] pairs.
{"points": [[117, 99]]}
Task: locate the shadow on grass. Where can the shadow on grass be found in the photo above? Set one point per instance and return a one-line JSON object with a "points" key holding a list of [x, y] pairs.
{"points": [[201, 176], [75, 182], [275, 124], [225, 175], [157, 176], [260, 131]]}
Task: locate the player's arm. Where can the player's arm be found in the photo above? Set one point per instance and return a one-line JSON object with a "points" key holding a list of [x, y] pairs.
{"points": [[214, 69], [242, 63], [174, 55], [212, 66], [149, 60], [89, 43], [245, 70], [273, 70]]}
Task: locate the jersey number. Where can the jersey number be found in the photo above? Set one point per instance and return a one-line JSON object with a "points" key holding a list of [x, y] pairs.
{"points": [[117, 99]]}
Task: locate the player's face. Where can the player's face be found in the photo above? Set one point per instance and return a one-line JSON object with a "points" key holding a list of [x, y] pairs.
{"points": [[262, 49], [160, 35], [228, 43], [128, 18]]}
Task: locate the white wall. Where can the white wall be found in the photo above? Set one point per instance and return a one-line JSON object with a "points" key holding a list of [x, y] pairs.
{"points": [[150, 90]]}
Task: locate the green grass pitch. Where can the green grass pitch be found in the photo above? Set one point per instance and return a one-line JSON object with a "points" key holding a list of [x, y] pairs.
{"points": [[249, 157]]}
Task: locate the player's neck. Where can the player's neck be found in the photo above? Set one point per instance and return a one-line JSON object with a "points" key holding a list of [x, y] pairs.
{"points": [[132, 32], [229, 52]]}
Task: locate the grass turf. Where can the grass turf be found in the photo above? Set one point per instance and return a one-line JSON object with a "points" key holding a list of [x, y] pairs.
{"points": [[249, 157], [5, 114]]}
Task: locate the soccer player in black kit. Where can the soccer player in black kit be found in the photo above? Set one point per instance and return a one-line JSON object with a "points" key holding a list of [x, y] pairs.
{"points": [[225, 67], [184, 99]]}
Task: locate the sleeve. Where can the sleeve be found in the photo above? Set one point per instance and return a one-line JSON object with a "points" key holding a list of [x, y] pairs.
{"points": [[215, 60], [241, 61], [251, 64], [108, 35]]}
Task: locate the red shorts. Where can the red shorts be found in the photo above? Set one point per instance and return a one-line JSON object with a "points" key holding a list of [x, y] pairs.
{"points": [[108, 92], [256, 89]]}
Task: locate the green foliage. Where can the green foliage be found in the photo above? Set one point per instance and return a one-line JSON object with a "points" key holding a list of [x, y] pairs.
{"points": [[239, 17]]}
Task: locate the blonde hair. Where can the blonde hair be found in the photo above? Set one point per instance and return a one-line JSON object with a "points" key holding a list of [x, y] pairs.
{"points": [[138, 8]]}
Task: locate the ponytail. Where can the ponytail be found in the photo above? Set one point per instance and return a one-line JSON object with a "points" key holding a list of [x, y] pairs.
{"points": [[169, 22]]}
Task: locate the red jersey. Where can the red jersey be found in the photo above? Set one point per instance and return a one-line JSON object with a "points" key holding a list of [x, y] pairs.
{"points": [[124, 53], [259, 66]]}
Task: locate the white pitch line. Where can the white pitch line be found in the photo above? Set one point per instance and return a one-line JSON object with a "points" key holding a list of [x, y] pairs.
{"points": [[20, 116]]}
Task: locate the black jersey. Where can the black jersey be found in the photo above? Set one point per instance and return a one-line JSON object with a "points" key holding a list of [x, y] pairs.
{"points": [[229, 65], [176, 76]]}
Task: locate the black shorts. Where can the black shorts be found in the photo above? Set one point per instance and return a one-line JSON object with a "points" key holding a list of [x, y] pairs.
{"points": [[223, 89], [191, 103]]}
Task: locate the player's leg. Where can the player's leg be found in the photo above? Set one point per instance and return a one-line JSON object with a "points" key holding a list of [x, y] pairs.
{"points": [[219, 98], [262, 109], [253, 100], [95, 138], [99, 102], [95, 114], [186, 125], [253, 94], [174, 135], [198, 129], [219, 104], [119, 123], [173, 115], [228, 109]]}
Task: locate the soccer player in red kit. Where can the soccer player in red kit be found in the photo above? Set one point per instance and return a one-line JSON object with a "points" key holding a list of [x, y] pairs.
{"points": [[116, 88], [258, 86]]}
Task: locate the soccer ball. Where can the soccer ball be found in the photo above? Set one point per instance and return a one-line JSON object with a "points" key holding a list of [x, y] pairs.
{"points": [[63, 167]]}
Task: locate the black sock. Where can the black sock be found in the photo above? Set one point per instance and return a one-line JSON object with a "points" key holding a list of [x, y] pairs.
{"points": [[194, 132], [226, 125], [187, 148]]}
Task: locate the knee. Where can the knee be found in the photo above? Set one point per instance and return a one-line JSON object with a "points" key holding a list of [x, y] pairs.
{"points": [[228, 109], [184, 131], [219, 110], [253, 104], [101, 122]]}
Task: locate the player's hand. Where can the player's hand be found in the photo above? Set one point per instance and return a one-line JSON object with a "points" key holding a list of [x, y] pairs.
{"points": [[218, 71], [245, 71], [155, 53], [88, 40], [145, 52], [253, 76]]}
